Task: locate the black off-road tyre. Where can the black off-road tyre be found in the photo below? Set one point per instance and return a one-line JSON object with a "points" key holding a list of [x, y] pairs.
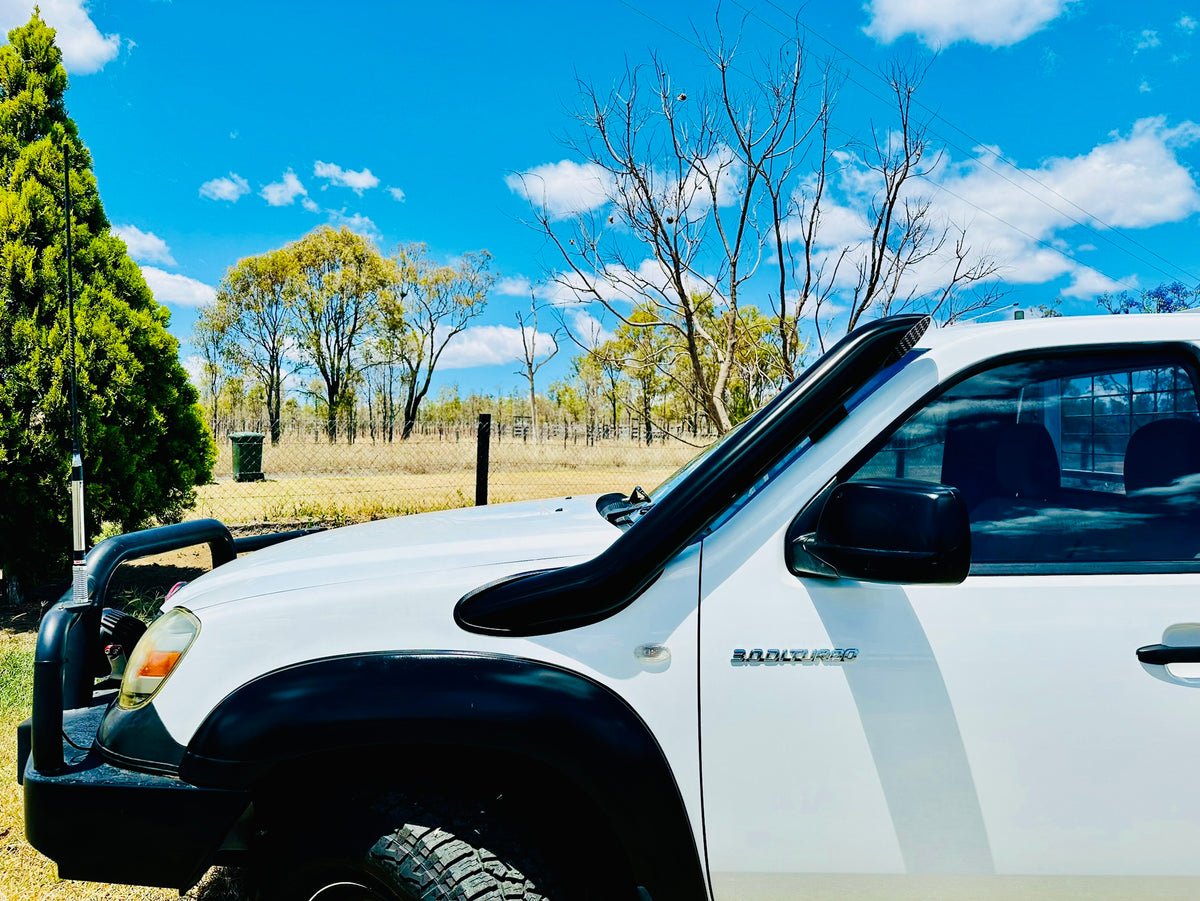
{"points": [[394, 849], [433, 863]]}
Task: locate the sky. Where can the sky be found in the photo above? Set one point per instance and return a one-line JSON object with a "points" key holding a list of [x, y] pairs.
{"points": [[1067, 132]]}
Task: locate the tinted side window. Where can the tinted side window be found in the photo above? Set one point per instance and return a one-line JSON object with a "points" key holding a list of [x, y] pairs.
{"points": [[1065, 464]]}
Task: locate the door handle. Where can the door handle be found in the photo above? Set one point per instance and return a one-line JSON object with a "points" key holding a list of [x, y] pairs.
{"points": [[1162, 654], [1154, 659]]}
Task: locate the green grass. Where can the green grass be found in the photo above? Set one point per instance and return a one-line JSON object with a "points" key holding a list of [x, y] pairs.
{"points": [[16, 679]]}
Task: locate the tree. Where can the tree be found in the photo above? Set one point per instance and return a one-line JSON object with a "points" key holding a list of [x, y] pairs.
{"points": [[428, 306], [144, 442], [641, 352], [339, 279], [906, 236], [1169, 297], [703, 197], [255, 316], [530, 364], [211, 338], [588, 373]]}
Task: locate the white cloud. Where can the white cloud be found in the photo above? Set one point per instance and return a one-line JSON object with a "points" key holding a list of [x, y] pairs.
{"points": [[193, 364], [397, 194], [177, 289], [143, 246], [285, 192], [84, 48], [1186, 24], [938, 23], [567, 188], [618, 286], [1144, 88], [228, 188], [564, 188], [309, 204], [1087, 283], [1148, 40], [356, 223], [723, 168], [517, 286], [489, 345], [346, 178], [587, 329], [1134, 181], [1022, 218]]}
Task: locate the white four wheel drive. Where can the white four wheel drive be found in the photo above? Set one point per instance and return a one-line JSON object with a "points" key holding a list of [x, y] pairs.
{"points": [[926, 625]]}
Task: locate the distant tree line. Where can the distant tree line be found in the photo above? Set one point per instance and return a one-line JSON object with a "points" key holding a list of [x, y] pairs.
{"points": [[289, 343], [328, 326], [329, 306]]}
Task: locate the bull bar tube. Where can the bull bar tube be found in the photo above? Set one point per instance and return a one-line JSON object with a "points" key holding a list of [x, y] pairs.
{"points": [[69, 636]]}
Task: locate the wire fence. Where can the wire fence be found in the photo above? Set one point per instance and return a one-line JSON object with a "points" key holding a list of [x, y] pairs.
{"points": [[305, 478]]}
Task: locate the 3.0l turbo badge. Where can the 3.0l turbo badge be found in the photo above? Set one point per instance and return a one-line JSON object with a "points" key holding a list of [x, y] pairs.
{"points": [[772, 656]]}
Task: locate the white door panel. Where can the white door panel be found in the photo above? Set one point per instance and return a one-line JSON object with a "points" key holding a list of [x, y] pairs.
{"points": [[1079, 755], [997, 729]]}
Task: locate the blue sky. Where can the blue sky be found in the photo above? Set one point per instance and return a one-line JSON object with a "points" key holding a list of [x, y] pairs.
{"points": [[1068, 129]]}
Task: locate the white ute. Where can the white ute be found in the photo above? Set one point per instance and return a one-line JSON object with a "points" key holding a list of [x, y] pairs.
{"points": [[926, 625]]}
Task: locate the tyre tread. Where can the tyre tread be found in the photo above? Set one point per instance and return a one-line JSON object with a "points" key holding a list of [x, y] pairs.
{"points": [[441, 862]]}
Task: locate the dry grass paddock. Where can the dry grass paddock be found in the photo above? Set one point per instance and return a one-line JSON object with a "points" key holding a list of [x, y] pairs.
{"points": [[307, 480]]}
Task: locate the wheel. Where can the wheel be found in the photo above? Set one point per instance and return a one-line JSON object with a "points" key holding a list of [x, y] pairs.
{"points": [[434, 863], [394, 850]]}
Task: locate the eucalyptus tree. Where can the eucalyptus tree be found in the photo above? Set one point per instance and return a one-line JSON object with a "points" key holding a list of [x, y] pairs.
{"points": [[211, 340], [642, 353], [530, 364], [254, 318], [339, 281], [428, 305]]}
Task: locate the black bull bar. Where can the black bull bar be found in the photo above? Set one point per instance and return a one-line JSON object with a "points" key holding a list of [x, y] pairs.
{"points": [[68, 642]]}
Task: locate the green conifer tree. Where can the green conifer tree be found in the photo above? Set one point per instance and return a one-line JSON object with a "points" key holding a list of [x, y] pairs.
{"points": [[145, 444]]}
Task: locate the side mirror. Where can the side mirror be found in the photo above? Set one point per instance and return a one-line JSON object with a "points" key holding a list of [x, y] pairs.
{"points": [[888, 530]]}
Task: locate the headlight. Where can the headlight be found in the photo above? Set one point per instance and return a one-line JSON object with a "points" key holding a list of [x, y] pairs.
{"points": [[156, 654]]}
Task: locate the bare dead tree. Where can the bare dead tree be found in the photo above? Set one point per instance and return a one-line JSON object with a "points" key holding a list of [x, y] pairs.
{"points": [[530, 364], [724, 194], [690, 214], [907, 237], [429, 305]]}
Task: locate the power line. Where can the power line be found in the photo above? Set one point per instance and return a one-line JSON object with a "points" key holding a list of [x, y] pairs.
{"points": [[1041, 242], [936, 115]]}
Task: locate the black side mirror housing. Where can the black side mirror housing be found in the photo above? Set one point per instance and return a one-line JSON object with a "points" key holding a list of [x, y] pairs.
{"points": [[888, 530]]}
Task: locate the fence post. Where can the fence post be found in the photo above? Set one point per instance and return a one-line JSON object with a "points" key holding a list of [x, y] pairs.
{"points": [[481, 459]]}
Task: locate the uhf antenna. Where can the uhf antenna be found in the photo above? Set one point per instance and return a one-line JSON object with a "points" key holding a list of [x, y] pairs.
{"points": [[78, 567]]}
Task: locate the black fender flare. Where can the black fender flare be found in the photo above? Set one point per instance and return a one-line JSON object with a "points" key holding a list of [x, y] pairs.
{"points": [[535, 711]]}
